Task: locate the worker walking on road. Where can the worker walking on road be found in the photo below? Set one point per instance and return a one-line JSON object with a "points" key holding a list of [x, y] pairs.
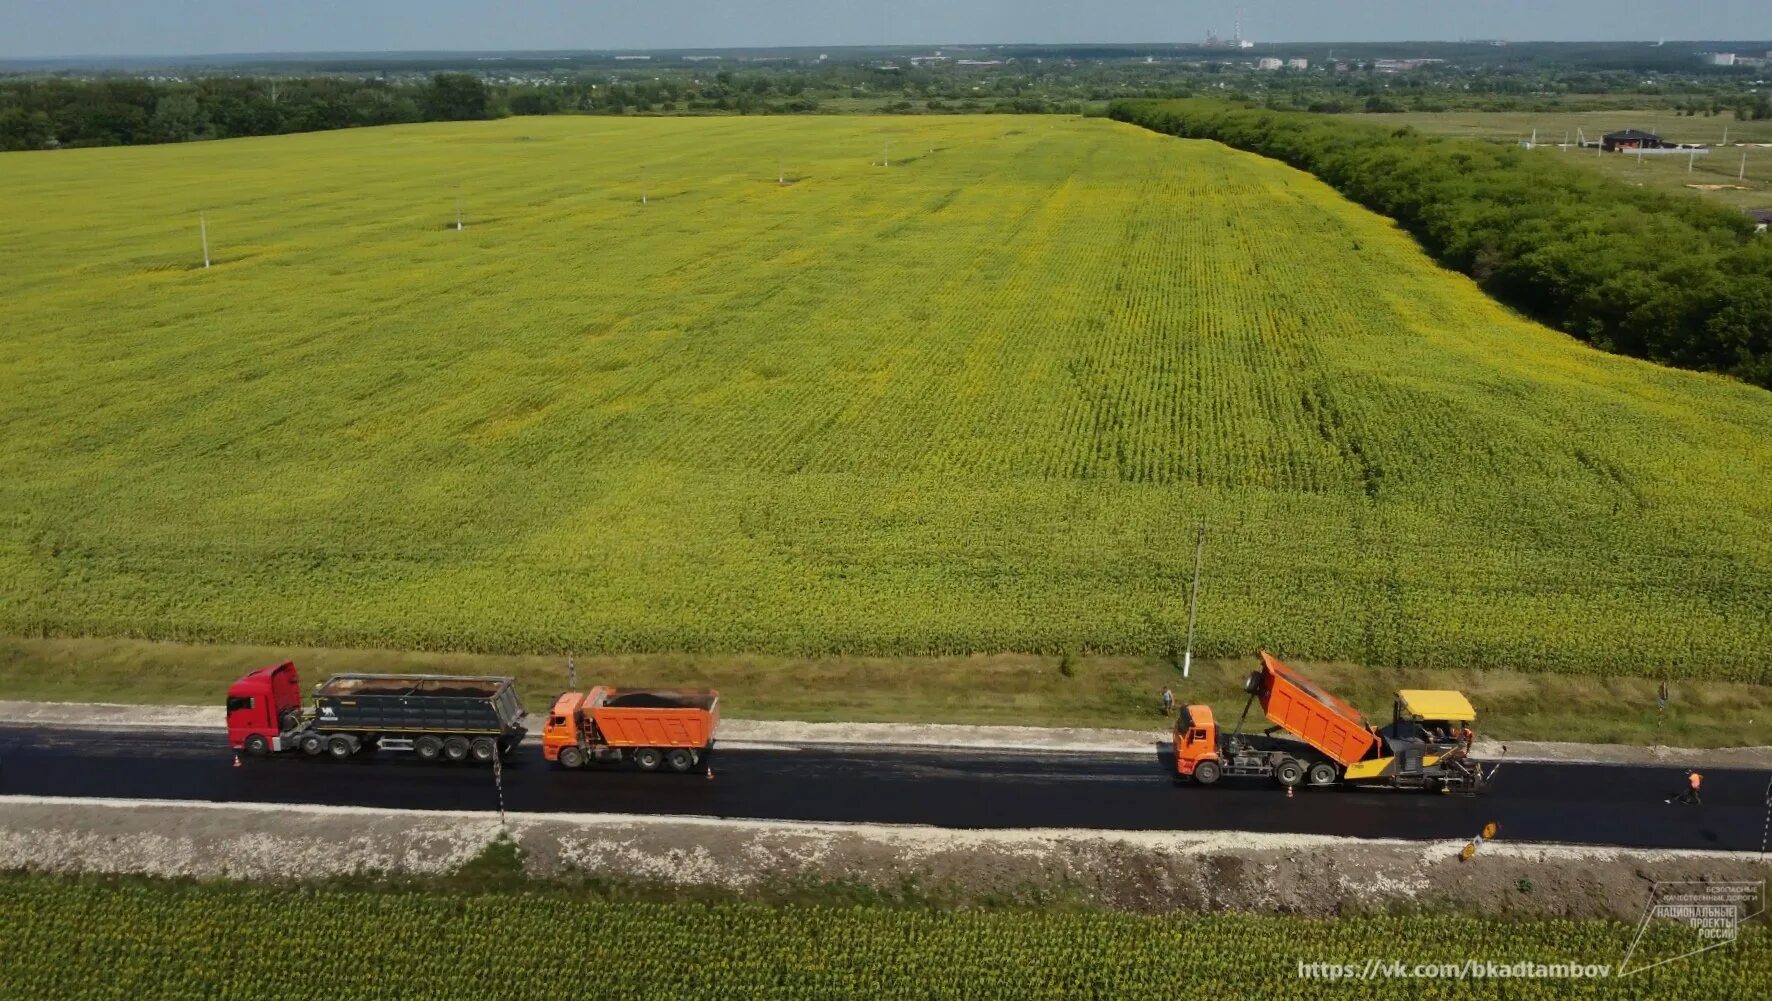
{"points": [[1690, 796], [1168, 701]]}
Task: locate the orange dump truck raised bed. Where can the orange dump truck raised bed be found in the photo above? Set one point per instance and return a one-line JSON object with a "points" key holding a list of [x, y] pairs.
{"points": [[650, 728], [1312, 715]]}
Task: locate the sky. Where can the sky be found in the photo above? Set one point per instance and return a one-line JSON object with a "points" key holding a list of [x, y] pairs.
{"points": [[50, 28]]}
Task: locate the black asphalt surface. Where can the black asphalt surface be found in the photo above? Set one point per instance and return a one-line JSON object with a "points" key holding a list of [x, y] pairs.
{"points": [[1588, 804]]}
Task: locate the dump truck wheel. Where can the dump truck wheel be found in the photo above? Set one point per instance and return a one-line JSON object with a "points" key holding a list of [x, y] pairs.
{"points": [[1252, 684], [312, 744], [1206, 772], [1289, 772], [571, 757], [648, 759], [428, 748], [341, 747], [485, 749], [1322, 774], [456, 749], [257, 745], [680, 760]]}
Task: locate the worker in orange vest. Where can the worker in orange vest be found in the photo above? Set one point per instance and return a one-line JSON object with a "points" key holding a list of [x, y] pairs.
{"points": [[1690, 796]]}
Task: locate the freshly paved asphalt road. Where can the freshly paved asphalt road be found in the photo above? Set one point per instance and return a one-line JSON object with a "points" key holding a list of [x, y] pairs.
{"points": [[1589, 804]]}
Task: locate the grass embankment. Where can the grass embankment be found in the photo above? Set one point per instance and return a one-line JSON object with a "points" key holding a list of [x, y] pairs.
{"points": [[137, 938], [972, 402], [1714, 176], [1003, 689]]}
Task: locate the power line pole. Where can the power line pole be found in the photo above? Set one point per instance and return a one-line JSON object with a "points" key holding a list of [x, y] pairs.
{"points": [[1193, 603], [498, 782]]}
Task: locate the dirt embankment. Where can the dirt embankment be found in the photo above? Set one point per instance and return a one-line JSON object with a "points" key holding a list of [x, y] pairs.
{"points": [[1142, 871]]}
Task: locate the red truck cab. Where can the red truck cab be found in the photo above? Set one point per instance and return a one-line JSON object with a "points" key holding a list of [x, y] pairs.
{"points": [[262, 706]]}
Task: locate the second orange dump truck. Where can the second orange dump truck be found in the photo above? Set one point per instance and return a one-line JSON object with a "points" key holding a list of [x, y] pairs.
{"points": [[648, 728], [1426, 746]]}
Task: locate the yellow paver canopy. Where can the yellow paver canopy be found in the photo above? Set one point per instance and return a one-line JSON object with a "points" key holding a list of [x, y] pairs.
{"points": [[1425, 703]]}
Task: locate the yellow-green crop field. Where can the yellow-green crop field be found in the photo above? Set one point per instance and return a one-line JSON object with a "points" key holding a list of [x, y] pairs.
{"points": [[68, 939], [975, 400]]}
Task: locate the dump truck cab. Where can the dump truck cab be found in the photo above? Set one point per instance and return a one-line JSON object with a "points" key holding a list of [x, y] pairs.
{"points": [[562, 727], [1196, 739], [263, 708]]}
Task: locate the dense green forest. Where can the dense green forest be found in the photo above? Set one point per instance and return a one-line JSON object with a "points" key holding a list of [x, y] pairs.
{"points": [[1630, 270]]}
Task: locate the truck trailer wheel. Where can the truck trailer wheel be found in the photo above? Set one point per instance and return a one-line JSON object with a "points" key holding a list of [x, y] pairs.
{"points": [[341, 747], [1322, 774], [456, 749], [648, 759], [485, 749], [312, 744], [1206, 772], [679, 759], [1289, 772], [428, 748], [571, 757]]}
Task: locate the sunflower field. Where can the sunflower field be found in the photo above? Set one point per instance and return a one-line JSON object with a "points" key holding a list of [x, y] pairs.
{"points": [[821, 385], [93, 939]]}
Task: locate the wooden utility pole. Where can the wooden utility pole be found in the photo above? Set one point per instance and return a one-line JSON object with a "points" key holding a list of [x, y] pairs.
{"points": [[1193, 603]]}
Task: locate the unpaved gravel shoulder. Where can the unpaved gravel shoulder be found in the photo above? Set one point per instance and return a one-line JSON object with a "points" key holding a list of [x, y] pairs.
{"points": [[1151, 871], [738, 733]]}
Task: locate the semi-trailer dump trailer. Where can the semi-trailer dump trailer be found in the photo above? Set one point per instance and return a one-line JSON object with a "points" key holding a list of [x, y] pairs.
{"points": [[437, 717], [646, 727], [1426, 746]]}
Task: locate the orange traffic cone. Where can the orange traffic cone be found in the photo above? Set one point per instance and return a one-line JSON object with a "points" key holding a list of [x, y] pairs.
{"points": [[236, 761], [1288, 792], [710, 775]]}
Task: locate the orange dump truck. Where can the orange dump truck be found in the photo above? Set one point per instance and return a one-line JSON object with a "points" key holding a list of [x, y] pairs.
{"points": [[1426, 745], [648, 728]]}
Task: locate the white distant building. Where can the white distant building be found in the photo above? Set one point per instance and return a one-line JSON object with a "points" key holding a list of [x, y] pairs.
{"points": [[1298, 64], [1267, 63], [1720, 58]]}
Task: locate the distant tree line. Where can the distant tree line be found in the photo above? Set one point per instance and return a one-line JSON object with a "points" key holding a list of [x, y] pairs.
{"points": [[47, 113], [1672, 279]]}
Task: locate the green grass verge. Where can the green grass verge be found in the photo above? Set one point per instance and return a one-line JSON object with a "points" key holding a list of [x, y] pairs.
{"points": [[1002, 689], [66, 938], [972, 402]]}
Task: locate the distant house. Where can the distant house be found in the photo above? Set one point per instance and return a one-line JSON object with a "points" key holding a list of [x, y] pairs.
{"points": [[1632, 139]]}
